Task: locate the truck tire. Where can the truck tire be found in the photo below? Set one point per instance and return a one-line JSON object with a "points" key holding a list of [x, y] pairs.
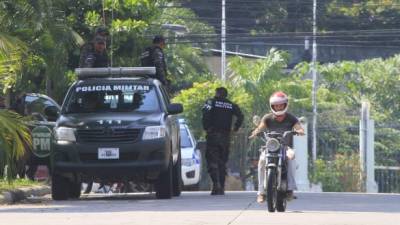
{"points": [[59, 187], [177, 177], [75, 189], [163, 184]]}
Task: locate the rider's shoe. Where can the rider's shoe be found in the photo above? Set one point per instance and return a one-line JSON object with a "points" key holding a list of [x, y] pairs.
{"points": [[260, 198], [290, 196]]}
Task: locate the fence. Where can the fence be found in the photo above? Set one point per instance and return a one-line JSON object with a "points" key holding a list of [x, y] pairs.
{"points": [[388, 179], [387, 158], [338, 167]]}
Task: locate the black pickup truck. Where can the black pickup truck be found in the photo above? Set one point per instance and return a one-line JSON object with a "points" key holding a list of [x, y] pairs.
{"points": [[116, 124]]}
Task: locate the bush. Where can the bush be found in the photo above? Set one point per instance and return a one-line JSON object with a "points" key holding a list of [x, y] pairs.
{"points": [[339, 175]]}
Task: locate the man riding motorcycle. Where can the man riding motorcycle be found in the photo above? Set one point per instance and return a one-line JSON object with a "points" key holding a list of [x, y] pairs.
{"points": [[279, 120]]}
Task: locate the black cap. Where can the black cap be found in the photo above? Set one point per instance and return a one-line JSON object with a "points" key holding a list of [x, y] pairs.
{"points": [[158, 39]]}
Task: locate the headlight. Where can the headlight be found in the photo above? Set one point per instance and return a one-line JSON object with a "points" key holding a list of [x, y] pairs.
{"points": [[188, 162], [154, 132], [273, 145], [64, 134]]}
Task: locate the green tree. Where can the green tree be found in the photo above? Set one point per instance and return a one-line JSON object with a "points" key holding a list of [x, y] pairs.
{"points": [[185, 62], [41, 26]]}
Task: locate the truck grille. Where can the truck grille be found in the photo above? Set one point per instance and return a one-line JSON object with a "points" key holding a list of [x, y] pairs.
{"points": [[108, 135]]}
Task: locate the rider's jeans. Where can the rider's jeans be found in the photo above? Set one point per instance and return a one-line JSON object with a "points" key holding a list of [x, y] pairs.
{"points": [[262, 183]]}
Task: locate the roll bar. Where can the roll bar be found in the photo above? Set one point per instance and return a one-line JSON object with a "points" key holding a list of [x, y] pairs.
{"points": [[84, 73]]}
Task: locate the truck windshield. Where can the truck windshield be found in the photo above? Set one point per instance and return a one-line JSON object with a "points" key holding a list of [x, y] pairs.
{"points": [[112, 98]]}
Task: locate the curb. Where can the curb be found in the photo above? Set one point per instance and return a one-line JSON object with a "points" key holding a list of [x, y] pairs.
{"points": [[16, 195]]}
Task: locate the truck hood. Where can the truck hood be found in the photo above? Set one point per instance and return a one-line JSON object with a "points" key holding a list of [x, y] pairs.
{"points": [[95, 120]]}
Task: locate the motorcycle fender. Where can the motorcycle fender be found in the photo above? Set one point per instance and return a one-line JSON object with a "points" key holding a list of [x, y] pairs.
{"points": [[271, 165]]}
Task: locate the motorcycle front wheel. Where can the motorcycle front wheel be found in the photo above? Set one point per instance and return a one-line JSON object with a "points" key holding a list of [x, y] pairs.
{"points": [[272, 193]]}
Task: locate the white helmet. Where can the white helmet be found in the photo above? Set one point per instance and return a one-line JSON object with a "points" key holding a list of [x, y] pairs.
{"points": [[278, 98]]}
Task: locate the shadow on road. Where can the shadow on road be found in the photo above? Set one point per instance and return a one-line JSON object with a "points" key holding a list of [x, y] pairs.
{"points": [[202, 201]]}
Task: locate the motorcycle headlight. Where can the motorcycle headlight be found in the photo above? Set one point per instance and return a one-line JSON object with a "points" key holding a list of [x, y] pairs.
{"points": [[154, 132], [273, 145], [64, 134], [188, 162]]}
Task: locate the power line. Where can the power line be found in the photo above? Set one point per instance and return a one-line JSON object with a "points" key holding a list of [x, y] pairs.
{"points": [[351, 35], [281, 2], [284, 44]]}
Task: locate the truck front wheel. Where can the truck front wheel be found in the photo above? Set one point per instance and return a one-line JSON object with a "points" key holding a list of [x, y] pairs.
{"points": [[164, 182]]}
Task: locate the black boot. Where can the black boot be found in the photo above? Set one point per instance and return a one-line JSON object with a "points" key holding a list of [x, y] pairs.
{"points": [[216, 189], [222, 183]]}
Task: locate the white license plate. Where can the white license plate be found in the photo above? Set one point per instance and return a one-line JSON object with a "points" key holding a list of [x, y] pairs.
{"points": [[108, 153]]}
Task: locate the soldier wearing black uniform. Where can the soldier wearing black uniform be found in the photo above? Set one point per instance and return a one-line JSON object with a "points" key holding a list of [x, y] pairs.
{"points": [[154, 56], [94, 53], [218, 113]]}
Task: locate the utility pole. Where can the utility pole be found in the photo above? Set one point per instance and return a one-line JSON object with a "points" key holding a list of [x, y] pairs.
{"points": [[314, 83], [111, 34], [223, 43]]}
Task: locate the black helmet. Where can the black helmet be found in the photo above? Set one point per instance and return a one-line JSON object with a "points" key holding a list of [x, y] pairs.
{"points": [[102, 30], [221, 92], [158, 39]]}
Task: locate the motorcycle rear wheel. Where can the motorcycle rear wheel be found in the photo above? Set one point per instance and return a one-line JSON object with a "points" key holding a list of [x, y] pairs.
{"points": [[281, 202]]}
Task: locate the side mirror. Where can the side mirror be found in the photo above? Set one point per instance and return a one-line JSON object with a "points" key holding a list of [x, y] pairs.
{"points": [[51, 112], [175, 108], [201, 145]]}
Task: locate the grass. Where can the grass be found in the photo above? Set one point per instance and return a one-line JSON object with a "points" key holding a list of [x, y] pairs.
{"points": [[18, 183]]}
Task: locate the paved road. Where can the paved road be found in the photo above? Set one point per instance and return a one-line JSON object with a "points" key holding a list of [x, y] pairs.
{"points": [[199, 208]]}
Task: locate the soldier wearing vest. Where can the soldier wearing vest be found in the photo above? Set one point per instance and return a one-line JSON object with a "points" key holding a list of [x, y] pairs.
{"points": [[154, 56], [217, 119]]}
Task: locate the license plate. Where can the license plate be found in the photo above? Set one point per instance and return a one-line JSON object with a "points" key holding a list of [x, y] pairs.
{"points": [[108, 153]]}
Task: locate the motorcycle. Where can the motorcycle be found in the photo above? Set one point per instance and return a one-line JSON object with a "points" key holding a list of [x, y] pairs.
{"points": [[275, 153]]}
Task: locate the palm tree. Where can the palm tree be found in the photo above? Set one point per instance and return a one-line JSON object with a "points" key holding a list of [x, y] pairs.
{"points": [[14, 134], [262, 77], [259, 77], [14, 139]]}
